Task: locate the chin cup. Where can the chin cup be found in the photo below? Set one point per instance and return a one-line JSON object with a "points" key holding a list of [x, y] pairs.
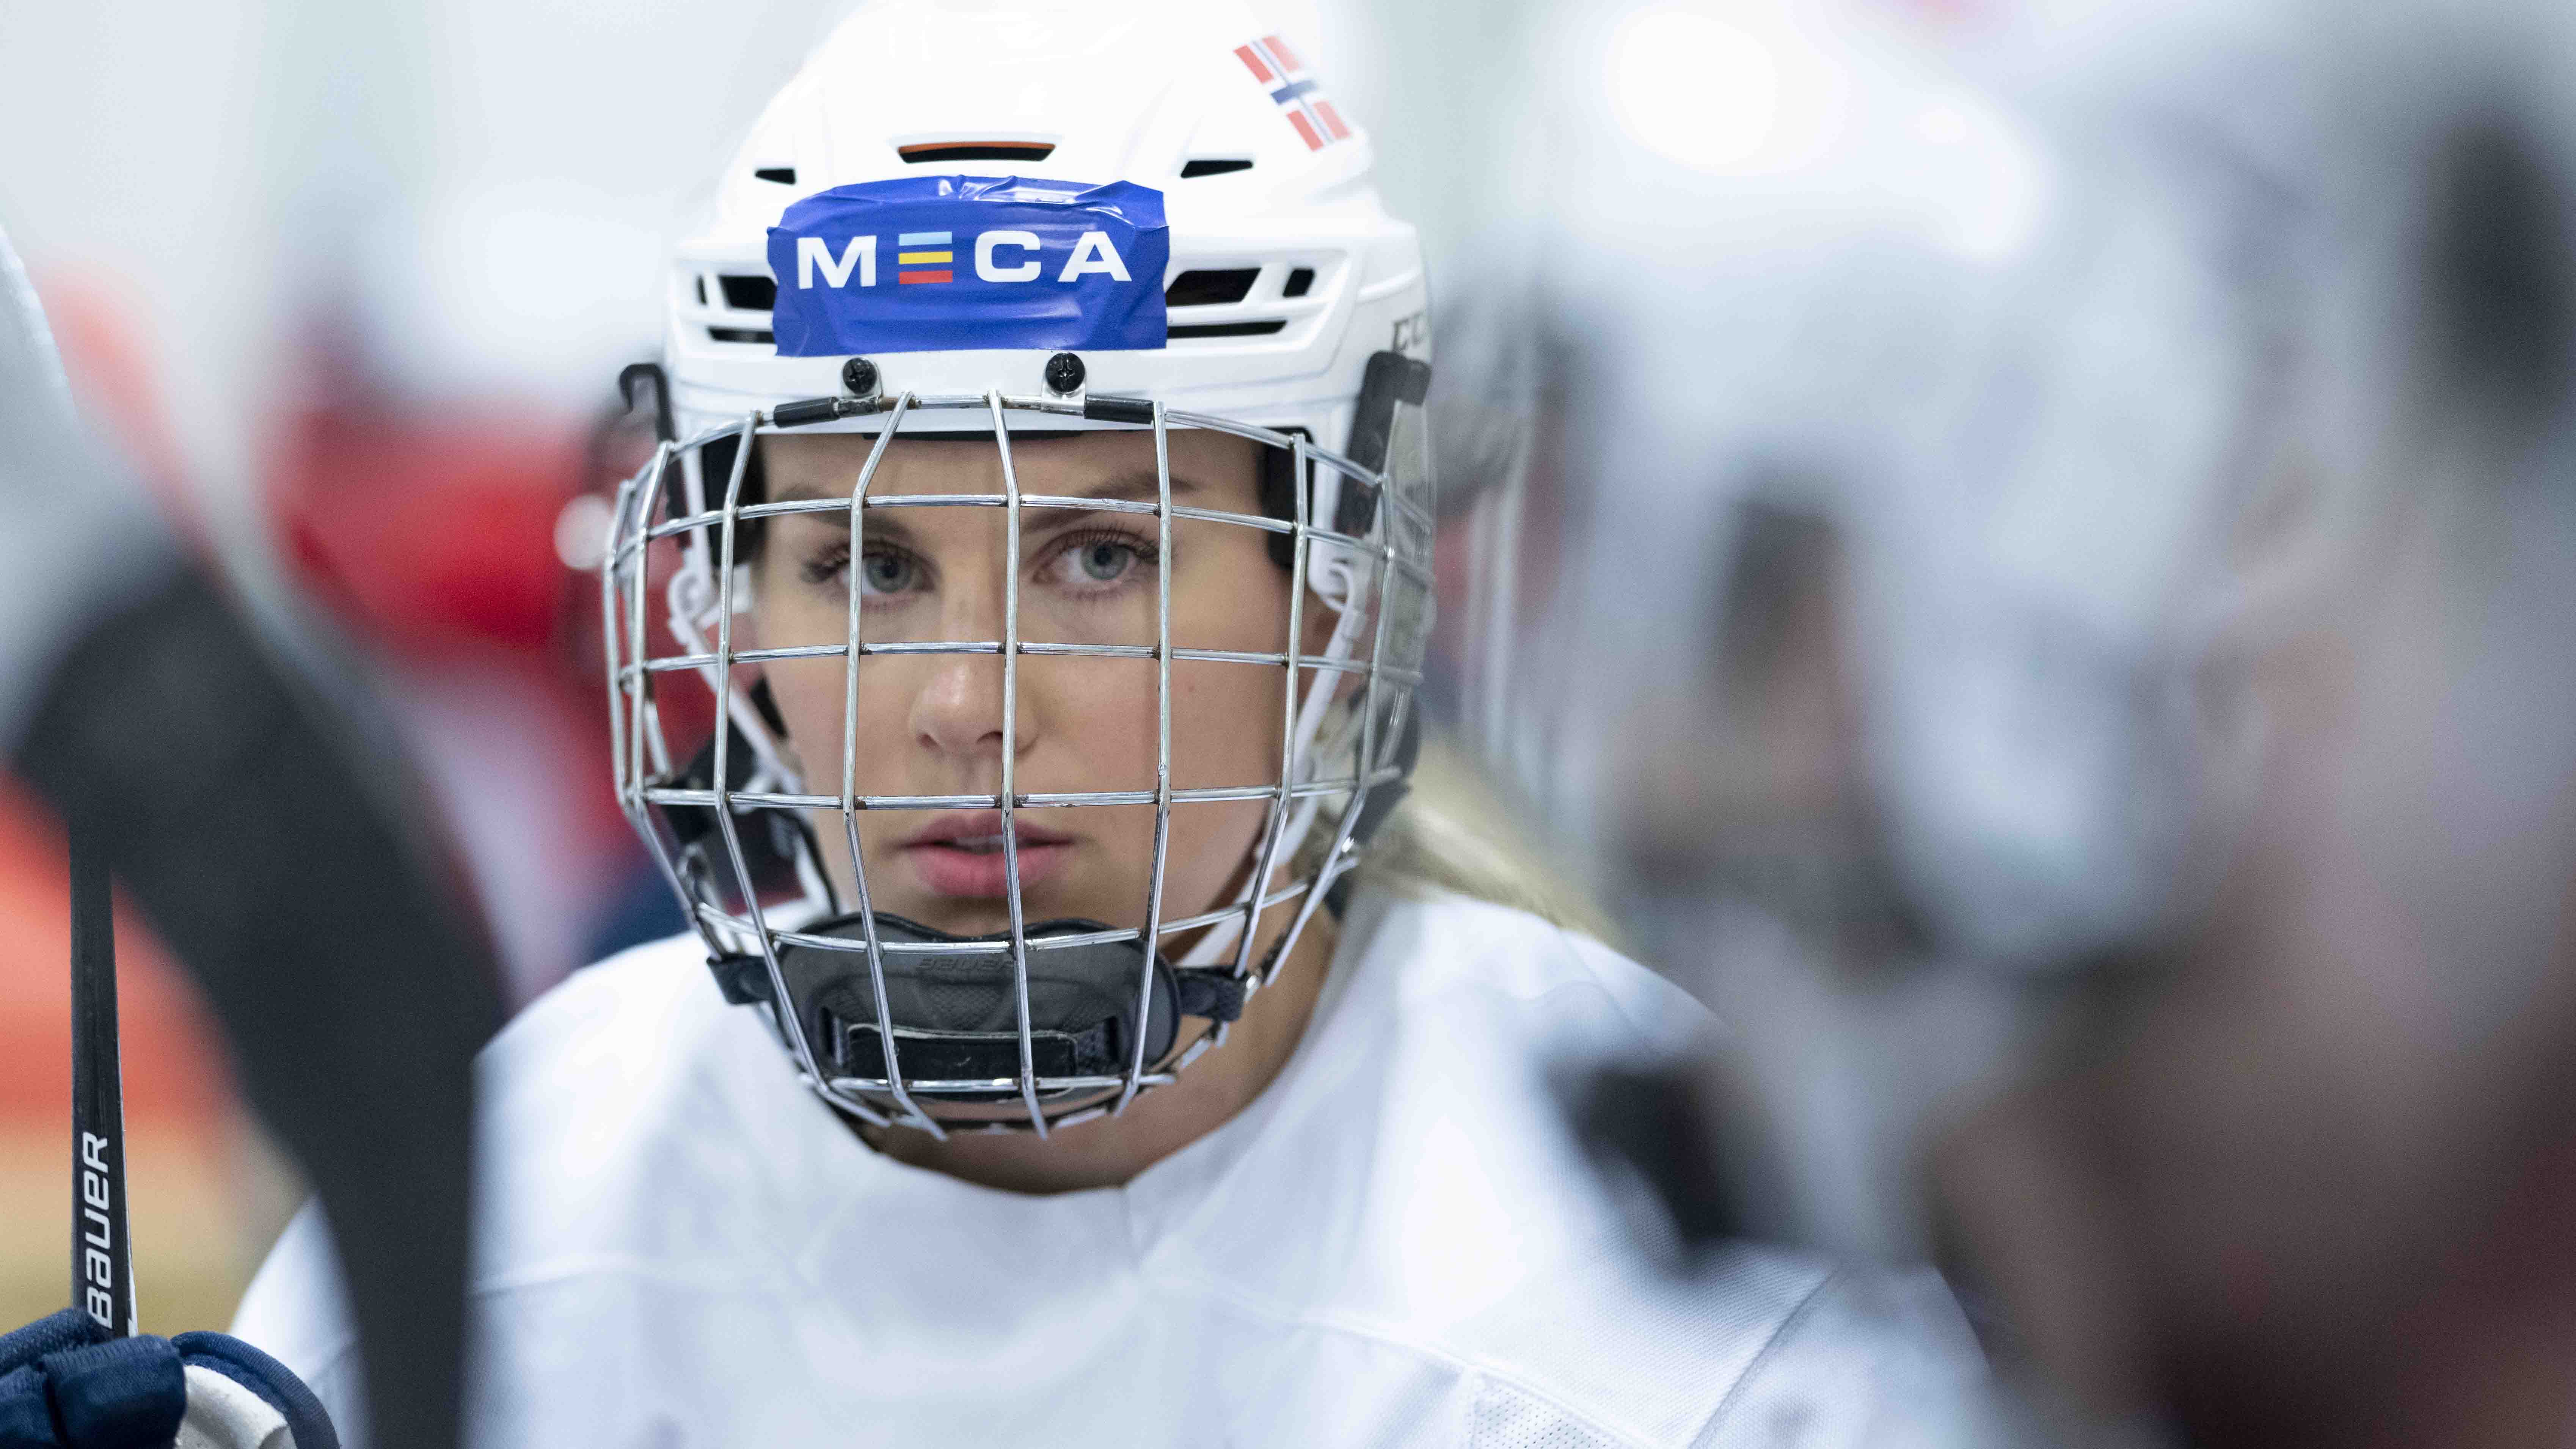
{"points": [[955, 1004]]}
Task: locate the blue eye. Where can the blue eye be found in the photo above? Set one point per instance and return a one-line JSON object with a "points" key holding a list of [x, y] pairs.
{"points": [[1099, 562], [888, 573], [1105, 560]]}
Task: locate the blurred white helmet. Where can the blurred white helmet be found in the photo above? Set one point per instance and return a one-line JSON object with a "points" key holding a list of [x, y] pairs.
{"points": [[1002, 219]]}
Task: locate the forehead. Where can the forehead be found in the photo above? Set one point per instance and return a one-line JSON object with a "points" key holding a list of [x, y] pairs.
{"points": [[1219, 470]]}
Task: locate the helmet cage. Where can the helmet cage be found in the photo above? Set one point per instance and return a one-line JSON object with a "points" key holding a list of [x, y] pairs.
{"points": [[737, 826]]}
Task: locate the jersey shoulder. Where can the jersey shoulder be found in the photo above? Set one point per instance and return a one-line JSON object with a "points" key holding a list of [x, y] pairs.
{"points": [[1453, 946], [1760, 1347], [1479, 1233]]}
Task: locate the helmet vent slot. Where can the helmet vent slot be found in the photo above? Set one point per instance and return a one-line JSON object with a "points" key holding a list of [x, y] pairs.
{"points": [[761, 335], [934, 151], [1193, 169], [1227, 329], [783, 175], [749, 294], [1211, 288], [1300, 282]]}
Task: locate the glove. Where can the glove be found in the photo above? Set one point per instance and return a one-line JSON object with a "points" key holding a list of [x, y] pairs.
{"points": [[64, 1384]]}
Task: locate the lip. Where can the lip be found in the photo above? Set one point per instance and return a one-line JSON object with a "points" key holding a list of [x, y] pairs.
{"points": [[958, 854]]}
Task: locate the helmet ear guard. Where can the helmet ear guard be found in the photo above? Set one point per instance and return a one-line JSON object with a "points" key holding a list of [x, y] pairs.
{"points": [[1341, 503], [1393, 380], [650, 375]]}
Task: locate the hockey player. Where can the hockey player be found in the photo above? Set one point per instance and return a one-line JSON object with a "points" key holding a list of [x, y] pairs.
{"points": [[1077, 1041]]}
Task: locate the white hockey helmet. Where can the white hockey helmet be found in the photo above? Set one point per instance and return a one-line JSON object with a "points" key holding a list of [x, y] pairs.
{"points": [[995, 219], [1286, 275]]}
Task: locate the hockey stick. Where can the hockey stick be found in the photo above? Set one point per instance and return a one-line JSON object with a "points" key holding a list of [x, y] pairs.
{"points": [[102, 1253]]}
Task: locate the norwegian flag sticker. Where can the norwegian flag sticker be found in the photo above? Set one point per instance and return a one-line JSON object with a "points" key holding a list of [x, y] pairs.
{"points": [[1299, 98]]}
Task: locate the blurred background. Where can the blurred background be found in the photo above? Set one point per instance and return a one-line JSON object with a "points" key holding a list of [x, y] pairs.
{"points": [[2021, 547]]}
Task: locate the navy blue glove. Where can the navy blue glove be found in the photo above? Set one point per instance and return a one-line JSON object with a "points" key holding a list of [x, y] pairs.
{"points": [[64, 1384]]}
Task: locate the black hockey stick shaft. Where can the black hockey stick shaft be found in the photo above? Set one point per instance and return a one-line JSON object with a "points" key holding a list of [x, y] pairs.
{"points": [[102, 1253]]}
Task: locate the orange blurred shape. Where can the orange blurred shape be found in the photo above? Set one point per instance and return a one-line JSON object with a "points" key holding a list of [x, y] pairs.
{"points": [[175, 1073], [112, 374]]}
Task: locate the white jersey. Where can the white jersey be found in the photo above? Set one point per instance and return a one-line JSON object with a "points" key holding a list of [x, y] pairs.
{"points": [[1398, 1243]]}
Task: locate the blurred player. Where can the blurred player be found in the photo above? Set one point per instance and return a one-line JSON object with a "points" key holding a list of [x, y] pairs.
{"points": [[235, 783], [2301, 1170]]}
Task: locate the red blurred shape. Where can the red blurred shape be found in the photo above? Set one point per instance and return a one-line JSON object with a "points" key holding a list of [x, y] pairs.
{"points": [[433, 531]]}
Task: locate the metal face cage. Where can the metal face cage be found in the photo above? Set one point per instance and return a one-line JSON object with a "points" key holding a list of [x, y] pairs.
{"points": [[728, 800]]}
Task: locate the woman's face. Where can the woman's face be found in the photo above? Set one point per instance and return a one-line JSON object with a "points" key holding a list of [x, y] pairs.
{"points": [[935, 724]]}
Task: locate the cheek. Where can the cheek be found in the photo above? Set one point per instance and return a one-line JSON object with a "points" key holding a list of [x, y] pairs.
{"points": [[1093, 722], [1225, 725], [1226, 717], [788, 611], [1226, 734], [807, 693], [1097, 731]]}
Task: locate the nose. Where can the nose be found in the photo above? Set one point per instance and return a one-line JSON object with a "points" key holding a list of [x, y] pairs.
{"points": [[958, 711]]}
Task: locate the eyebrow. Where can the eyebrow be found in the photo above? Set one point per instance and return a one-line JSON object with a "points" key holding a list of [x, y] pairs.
{"points": [[1132, 486]]}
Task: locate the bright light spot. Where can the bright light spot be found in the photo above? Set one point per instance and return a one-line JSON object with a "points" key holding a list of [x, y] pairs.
{"points": [[581, 532], [1694, 88], [1986, 184], [1942, 126]]}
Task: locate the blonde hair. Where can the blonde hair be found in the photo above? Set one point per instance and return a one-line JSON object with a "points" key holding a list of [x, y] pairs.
{"points": [[1460, 831]]}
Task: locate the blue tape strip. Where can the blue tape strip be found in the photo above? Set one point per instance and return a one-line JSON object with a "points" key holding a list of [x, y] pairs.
{"points": [[1035, 264]]}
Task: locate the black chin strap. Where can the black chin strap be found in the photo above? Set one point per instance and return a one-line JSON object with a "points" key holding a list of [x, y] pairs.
{"points": [[1213, 994], [851, 1042], [1202, 991]]}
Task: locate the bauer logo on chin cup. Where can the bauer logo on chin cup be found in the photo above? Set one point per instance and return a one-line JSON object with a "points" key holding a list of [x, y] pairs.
{"points": [[948, 263]]}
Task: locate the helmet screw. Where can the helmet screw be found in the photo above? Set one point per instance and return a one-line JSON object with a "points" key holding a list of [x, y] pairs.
{"points": [[1064, 373], [860, 376]]}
